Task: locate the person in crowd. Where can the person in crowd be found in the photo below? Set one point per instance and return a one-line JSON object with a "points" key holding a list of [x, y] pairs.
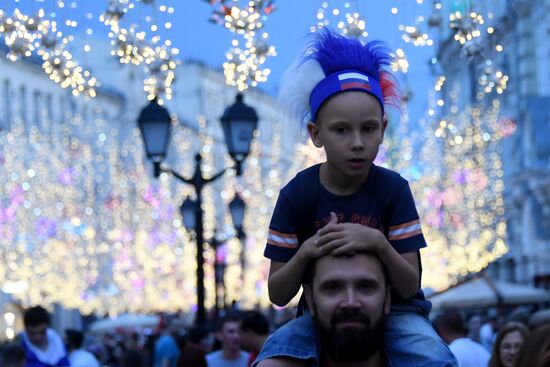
{"points": [[43, 346], [539, 318], [13, 355], [193, 353], [230, 354], [508, 341], [343, 89], [132, 357], [167, 351], [474, 324], [452, 328], [488, 331], [349, 298], [78, 356], [535, 350], [254, 332]]}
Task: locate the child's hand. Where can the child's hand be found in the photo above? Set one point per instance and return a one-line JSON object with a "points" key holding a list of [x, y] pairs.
{"points": [[311, 248], [340, 238]]}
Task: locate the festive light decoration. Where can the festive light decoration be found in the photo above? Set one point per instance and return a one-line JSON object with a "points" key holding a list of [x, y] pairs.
{"points": [[400, 63], [491, 79], [131, 46], [115, 10], [414, 35], [348, 22], [19, 39], [82, 224], [101, 215], [26, 34], [435, 19], [235, 19], [467, 31], [244, 66]]}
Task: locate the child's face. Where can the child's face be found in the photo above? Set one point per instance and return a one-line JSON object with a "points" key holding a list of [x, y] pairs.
{"points": [[350, 128]]}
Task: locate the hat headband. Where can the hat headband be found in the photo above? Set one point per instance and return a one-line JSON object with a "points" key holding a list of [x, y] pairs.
{"points": [[342, 81]]}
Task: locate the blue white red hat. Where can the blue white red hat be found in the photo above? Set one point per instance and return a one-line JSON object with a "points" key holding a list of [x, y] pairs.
{"points": [[341, 81]]}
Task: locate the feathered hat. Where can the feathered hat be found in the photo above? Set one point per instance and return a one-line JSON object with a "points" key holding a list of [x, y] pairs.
{"points": [[333, 64]]}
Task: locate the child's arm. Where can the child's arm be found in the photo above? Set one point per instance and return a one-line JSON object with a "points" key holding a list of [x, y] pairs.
{"points": [[403, 269], [285, 279]]}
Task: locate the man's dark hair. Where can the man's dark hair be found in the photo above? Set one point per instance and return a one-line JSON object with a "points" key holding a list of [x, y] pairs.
{"points": [[230, 317], [255, 321], [36, 315], [12, 355], [74, 338], [450, 321]]}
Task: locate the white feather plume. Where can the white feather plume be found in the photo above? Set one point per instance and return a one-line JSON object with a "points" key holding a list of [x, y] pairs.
{"points": [[296, 86]]}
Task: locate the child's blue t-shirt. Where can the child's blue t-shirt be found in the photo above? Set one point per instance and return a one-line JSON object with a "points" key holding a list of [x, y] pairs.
{"points": [[404, 232]]}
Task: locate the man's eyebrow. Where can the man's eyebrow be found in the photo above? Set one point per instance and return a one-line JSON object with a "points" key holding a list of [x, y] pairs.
{"points": [[369, 281]]}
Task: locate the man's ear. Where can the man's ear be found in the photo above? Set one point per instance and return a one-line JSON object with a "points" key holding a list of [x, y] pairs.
{"points": [[313, 131], [308, 293], [387, 300]]}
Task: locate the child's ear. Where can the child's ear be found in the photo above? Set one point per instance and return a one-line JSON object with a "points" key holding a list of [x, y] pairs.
{"points": [[384, 122], [313, 131]]}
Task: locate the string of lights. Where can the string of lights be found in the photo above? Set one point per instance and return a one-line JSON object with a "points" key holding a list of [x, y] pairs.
{"points": [[132, 46], [27, 34], [103, 237], [244, 65]]}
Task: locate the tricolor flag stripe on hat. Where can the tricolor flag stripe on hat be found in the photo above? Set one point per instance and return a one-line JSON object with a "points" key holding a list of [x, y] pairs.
{"points": [[346, 76], [353, 81], [343, 81], [354, 85]]}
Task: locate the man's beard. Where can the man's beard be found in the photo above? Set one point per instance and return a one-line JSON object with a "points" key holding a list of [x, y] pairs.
{"points": [[350, 343]]}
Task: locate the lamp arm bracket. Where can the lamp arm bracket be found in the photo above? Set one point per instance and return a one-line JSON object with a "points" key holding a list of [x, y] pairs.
{"points": [[216, 176], [178, 176]]}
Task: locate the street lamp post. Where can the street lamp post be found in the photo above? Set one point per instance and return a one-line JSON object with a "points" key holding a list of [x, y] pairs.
{"points": [[219, 272], [239, 122], [237, 207]]}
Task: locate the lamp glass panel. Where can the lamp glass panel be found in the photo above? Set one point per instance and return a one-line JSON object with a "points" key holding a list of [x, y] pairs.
{"points": [[155, 134], [237, 212], [240, 136], [188, 212]]}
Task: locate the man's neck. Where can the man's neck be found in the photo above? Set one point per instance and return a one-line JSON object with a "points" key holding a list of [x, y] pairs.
{"points": [[42, 346], [375, 360], [231, 354]]}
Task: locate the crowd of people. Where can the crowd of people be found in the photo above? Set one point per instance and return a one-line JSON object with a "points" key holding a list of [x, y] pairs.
{"points": [[343, 293], [234, 340]]}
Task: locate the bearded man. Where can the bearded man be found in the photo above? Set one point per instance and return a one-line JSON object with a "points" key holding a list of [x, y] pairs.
{"points": [[348, 297]]}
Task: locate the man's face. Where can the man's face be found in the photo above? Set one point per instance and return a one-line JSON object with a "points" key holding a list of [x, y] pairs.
{"points": [[348, 300], [37, 335], [229, 336]]}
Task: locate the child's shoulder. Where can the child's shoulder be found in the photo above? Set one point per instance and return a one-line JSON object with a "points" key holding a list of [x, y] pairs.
{"points": [[303, 179], [386, 176]]}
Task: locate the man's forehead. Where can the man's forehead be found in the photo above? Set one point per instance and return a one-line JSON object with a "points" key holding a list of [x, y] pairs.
{"points": [[38, 327], [228, 325], [361, 266]]}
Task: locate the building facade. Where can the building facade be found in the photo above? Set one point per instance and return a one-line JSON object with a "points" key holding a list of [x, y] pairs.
{"points": [[519, 35]]}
